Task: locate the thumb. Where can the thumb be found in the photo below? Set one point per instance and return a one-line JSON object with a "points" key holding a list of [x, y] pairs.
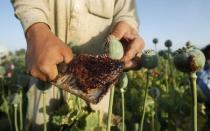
{"points": [[119, 30], [67, 54]]}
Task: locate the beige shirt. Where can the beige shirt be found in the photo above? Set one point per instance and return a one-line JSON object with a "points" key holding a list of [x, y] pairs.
{"points": [[81, 23]]}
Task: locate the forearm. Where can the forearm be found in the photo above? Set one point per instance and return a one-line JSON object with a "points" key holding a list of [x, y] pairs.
{"points": [[37, 30], [30, 12], [125, 10]]}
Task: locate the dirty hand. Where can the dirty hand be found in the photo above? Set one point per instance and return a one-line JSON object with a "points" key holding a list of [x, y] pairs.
{"points": [[44, 52], [133, 44]]}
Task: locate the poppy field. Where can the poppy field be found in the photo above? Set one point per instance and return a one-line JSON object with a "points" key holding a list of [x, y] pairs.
{"points": [[160, 96]]}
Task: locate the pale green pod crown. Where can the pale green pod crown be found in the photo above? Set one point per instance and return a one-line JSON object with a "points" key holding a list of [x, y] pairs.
{"points": [[149, 59], [114, 48], [123, 81], [189, 59]]}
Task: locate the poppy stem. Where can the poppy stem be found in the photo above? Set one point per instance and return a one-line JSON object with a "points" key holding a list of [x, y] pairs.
{"points": [[110, 109], [123, 110], [153, 121], [15, 117], [193, 78], [145, 100], [44, 111], [156, 116], [21, 111]]}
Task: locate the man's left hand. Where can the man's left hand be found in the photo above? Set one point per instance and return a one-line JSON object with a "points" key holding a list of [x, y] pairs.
{"points": [[133, 44]]}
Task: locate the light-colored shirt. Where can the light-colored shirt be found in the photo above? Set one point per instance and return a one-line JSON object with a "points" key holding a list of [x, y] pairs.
{"points": [[83, 23]]}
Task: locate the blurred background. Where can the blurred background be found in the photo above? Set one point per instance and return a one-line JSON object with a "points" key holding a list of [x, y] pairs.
{"points": [[177, 20]]}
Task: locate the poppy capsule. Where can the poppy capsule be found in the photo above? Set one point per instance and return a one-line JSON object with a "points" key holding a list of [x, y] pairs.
{"points": [[149, 59], [155, 41], [123, 82], [114, 48], [189, 59], [168, 43]]}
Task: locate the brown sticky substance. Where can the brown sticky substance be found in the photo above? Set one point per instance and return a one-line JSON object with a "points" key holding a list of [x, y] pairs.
{"points": [[89, 76]]}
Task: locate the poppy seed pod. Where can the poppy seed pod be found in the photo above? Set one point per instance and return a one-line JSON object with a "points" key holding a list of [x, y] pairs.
{"points": [[154, 92], [155, 41], [189, 59], [149, 59], [168, 43], [114, 48], [188, 43], [123, 81]]}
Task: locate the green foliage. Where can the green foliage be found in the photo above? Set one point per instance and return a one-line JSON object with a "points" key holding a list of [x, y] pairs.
{"points": [[75, 115], [2, 71], [171, 105]]}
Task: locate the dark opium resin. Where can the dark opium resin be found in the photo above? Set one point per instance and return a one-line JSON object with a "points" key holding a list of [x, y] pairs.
{"points": [[89, 77]]}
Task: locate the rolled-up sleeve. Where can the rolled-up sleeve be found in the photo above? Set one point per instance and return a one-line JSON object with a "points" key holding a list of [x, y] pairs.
{"points": [[30, 12], [125, 10]]}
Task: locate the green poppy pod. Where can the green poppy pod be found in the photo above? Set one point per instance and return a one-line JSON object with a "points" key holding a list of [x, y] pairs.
{"points": [[114, 48], [149, 59], [123, 81], [168, 43], [154, 92], [189, 59], [155, 41]]}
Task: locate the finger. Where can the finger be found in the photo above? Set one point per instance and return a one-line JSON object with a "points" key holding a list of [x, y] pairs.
{"points": [[134, 64], [120, 30], [129, 54], [130, 35], [50, 71], [134, 48], [128, 65], [67, 54], [36, 73]]}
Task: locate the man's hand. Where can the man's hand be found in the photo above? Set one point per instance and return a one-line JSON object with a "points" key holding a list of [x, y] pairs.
{"points": [[132, 43], [44, 52]]}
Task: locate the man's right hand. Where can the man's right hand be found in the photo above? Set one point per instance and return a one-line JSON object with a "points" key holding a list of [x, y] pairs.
{"points": [[44, 52]]}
